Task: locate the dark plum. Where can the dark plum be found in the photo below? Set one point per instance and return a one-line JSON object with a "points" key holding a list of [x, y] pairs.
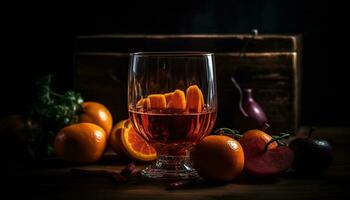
{"points": [[311, 155]]}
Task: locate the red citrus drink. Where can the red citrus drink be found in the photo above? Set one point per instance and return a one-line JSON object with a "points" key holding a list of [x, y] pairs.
{"points": [[173, 133]]}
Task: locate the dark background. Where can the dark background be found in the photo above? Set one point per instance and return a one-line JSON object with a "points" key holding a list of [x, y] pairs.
{"points": [[40, 39]]}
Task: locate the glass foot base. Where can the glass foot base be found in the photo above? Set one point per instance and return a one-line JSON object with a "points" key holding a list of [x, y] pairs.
{"points": [[171, 167]]}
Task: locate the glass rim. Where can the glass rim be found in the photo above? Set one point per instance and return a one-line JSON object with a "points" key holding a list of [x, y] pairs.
{"points": [[171, 53]]}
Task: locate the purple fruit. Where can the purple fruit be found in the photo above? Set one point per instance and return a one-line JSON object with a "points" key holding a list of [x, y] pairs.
{"points": [[269, 163], [311, 155]]}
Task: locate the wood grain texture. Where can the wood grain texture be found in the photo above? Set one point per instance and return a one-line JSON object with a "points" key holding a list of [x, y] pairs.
{"points": [[199, 42], [272, 78]]}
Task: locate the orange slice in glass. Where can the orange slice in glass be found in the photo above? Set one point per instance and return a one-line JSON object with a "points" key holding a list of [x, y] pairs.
{"points": [[139, 103], [167, 97], [125, 141], [194, 98], [144, 103], [177, 100], [157, 101]]}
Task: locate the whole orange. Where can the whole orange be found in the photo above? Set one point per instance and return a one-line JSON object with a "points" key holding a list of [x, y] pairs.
{"points": [[218, 158], [254, 141], [98, 114], [83, 143]]}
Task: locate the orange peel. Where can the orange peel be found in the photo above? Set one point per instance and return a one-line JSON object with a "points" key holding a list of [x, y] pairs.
{"points": [[144, 103], [194, 98], [177, 100], [157, 101]]}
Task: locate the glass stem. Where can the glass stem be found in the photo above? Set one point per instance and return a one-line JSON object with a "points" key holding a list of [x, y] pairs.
{"points": [[167, 162]]}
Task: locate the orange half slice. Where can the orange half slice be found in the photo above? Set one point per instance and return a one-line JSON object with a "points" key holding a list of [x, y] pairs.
{"points": [[144, 103], [194, 98], [125, 141], [167, 97], [157, 101], [136, 147], [177, 100]]}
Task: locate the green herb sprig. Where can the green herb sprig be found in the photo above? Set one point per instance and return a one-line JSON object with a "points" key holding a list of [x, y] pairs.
{"points": [[52, 111]]}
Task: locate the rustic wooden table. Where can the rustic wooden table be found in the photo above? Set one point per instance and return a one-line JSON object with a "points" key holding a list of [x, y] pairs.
{"points": [[52, 180]]}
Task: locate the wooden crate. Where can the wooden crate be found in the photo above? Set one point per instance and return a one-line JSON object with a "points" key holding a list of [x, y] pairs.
{"points": [[269, 64]]}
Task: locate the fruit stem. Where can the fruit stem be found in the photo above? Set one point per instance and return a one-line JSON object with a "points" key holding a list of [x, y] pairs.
{"points": [[312, 129], [276, 138], [228, 132]]}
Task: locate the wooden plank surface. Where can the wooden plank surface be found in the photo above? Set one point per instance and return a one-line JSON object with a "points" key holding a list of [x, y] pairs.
{"points": [[51, 180], [188, 42]]}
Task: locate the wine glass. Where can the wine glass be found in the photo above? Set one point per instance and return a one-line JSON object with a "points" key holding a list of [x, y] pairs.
{"points": [[172, 104]]}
